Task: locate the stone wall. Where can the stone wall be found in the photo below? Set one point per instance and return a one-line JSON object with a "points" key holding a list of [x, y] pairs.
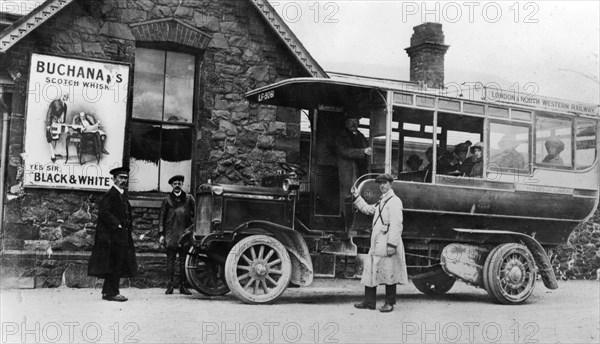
{"points": [[580, 257], [237, 143], [69, 269]]}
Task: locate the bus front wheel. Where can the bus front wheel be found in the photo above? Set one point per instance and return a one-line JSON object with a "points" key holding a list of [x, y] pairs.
{"points": [[258, 269]]}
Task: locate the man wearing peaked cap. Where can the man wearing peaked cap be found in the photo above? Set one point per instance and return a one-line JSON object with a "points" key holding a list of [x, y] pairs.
{"points": [[385, 264], [176, 216], [384, 177], [353, 155], [113, 253]]}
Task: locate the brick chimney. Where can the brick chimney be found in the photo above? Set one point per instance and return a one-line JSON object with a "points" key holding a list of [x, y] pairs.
{"points": [[426, 52]]}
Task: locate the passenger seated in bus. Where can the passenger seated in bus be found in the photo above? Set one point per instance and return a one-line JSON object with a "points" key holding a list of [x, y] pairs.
{"points": [[445, 164], [508, 156], [554, 146], [353, 154], [429, 156], [459, 156], [414, 163], [473, 166]]}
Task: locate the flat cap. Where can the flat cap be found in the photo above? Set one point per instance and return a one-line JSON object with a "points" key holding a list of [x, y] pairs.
{"points": [[384, 177], [176, 178]]}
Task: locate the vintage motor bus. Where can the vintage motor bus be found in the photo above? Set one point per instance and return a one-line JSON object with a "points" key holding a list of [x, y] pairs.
{"points": [[494, 230]]}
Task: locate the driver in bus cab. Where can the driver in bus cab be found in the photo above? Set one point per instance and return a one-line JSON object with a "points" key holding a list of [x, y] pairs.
{"points": [[353, 153]]}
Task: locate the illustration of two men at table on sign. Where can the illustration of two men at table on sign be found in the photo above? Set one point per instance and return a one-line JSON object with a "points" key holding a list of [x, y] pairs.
{"points": [[83, 132]]}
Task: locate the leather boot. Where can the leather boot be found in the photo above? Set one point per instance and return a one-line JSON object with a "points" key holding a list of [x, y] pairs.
{"points": [[169, 289], [369, 302], [386, 308], [390, 294], [183, 290], [390, 298]]}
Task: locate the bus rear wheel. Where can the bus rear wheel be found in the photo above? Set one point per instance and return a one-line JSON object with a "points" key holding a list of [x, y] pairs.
{"points": [[509, 274], [258, 269]]}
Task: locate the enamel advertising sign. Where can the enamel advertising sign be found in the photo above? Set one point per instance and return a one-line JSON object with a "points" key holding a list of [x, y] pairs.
{"points": [[75, 127]]}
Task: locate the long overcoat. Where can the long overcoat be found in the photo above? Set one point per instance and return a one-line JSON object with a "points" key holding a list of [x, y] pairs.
{"points": [[176, 214], [351, 159], [378, 267], [113, 251]]}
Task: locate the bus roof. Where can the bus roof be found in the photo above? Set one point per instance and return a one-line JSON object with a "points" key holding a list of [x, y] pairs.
{"points": [[331, 93]]}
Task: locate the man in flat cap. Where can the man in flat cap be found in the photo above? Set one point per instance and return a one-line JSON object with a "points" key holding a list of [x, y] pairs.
{"points": [[113, 253], [386, 262], [176, 215]]}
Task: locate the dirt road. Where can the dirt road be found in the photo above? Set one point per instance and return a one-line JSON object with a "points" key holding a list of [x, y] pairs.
{"points": [[322, 313]]}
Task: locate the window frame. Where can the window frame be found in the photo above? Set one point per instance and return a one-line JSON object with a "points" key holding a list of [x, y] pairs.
{"points": [[196, 105], [488, 146], [591, 166], [542, 166]]}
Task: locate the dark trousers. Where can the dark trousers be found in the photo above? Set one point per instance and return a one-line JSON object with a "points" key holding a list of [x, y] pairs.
{"points": [[390, 294], [111, 285], [172, 254]]}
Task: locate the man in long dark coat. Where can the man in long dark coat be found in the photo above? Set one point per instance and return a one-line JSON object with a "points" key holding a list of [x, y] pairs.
{"points": [[113, 253], [176, 215], [353, 153]]}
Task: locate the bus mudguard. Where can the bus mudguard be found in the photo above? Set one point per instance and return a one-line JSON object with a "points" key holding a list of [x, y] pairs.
{"points": [[302, 269], [539, 255]]}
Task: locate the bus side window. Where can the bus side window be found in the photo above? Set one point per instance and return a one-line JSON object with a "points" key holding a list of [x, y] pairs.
{"points": [[509, 147], [585, 143], [553, 141]]}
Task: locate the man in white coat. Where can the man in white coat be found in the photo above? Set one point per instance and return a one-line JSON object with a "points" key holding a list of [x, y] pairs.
{"points": [[385, 263]]}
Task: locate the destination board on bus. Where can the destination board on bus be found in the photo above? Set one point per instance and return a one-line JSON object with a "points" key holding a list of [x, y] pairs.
{"points": [[533, 100]]}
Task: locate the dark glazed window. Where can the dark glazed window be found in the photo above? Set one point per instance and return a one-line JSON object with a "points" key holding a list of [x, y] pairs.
{"points": [[162, 125], [585, 142]]}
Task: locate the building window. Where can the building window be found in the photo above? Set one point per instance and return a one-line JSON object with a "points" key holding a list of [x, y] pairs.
{"points": [[162, 119]]}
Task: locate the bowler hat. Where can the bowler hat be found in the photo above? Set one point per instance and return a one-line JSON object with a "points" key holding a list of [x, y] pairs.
{"points": [[176, 178], [384, 177], [119, 170]]}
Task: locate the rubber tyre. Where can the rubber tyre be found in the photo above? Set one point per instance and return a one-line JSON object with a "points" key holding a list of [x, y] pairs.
{"points": [[509, 274], [205, 275], [258, 269]]}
